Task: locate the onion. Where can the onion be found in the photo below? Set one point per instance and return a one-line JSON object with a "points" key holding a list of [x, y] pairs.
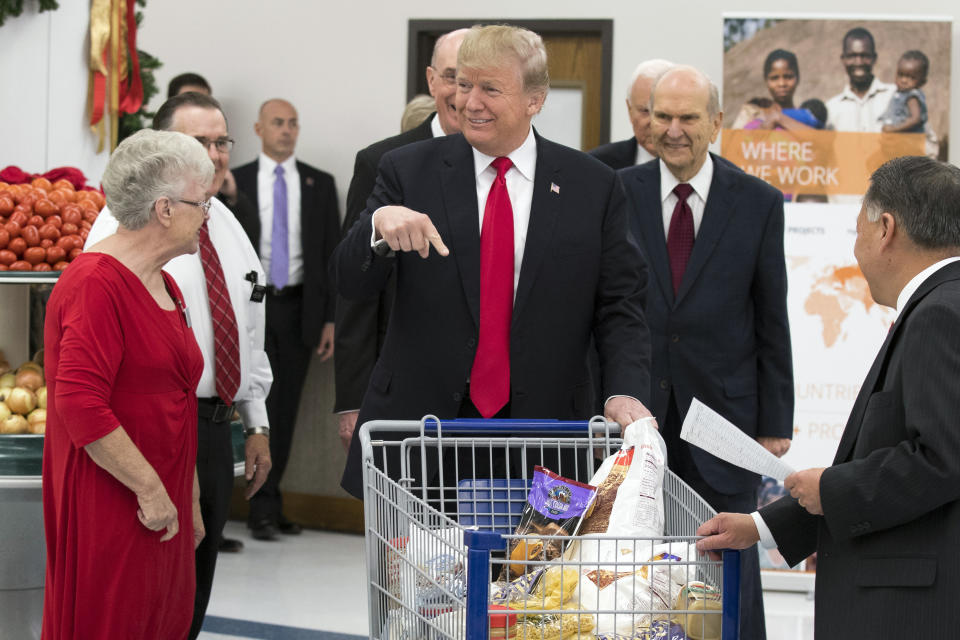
{"points": [[37, 415], [8, 380], [29, 378], [42, 397], [14, 424], [37, 428], [22, 401], [4, 411], [5, 393]]}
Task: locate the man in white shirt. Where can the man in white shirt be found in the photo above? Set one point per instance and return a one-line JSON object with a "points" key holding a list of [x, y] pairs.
{"points": [[294, 230], [861, 103], [510, 252], [200, 116], [885, 517], [641, 147]]}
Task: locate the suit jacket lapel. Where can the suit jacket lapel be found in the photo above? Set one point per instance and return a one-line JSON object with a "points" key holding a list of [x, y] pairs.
{"points": [[715, 216], [648, 220], [459, 186], [544, 211], [308, 194]]}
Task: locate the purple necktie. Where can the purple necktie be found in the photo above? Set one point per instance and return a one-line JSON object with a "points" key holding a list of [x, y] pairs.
{"points": [[279, 251]]}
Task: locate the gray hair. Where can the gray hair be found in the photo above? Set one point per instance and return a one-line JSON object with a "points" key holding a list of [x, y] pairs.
{"points": [[650, 69], [713, 94], [922, 195], [150, 165], [493, 45]]}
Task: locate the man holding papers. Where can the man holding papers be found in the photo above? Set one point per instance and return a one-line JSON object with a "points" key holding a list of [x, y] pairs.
{"points": [[885, 518]]}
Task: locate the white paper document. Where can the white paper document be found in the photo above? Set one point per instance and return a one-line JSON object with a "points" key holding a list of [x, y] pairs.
{"points": [[713, 433]]}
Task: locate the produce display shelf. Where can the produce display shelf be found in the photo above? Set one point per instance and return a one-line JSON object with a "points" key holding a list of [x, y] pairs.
{"points": [[29, 277]]}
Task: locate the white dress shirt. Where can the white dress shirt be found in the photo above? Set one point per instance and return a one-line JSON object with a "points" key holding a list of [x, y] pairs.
{"points": [[519, 180], [847, 111], [237, 258], [644, 156], [435, 127], [766, 537], [697, 200], [265, 180]]}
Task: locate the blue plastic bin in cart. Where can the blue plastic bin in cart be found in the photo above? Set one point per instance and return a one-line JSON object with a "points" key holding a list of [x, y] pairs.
{"points": [[432, 548]]}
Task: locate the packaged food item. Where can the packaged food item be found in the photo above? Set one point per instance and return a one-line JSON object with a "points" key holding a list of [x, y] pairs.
{"points": [[555, 626], [517, 590], [503, 626], [432, 570], [555, 507], [700, 626], [629, 485], [659, 630]]}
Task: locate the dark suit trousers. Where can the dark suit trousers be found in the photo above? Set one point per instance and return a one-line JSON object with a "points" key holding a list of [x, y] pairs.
{"points": [[289, 359], [215, 474], [752, 621]]}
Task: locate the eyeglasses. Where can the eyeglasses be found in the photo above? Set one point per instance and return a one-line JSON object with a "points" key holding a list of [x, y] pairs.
{"points": [[449, 78], [205, 205], [223, 145]]}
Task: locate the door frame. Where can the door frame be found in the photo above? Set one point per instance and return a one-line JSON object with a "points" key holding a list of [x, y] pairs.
{"points": [[422, 34]]}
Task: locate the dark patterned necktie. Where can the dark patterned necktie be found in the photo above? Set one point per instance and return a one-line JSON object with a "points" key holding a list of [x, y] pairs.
{"points": [[680, 235]]}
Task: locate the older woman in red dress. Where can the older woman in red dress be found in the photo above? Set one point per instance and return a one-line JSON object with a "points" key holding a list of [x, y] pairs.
{"points": [[120, 495]]}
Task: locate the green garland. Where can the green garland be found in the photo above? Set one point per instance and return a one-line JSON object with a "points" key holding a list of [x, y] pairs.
{"points": [[130, 123], [13, 8]]}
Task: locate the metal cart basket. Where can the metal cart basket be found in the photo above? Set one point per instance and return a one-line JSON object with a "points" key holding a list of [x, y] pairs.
{"points": [[442, 502]]}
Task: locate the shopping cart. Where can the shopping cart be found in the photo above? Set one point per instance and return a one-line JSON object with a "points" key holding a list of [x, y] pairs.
{"points": [[442, 500]]}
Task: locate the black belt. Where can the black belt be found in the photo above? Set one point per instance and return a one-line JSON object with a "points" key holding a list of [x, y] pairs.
{"points": [[292, 290], [214, 410]]}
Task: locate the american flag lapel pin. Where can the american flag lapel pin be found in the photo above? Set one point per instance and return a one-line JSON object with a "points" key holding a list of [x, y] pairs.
{"points": [[554, 188], [309, 181]]}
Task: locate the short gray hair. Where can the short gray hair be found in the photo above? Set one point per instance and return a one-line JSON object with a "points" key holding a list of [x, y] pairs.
{"points": [[713, 94], [922, 195], [150, 165], [650, 69]]}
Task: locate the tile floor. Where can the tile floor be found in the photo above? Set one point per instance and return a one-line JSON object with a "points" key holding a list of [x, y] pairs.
{"points": [[313, 587]]}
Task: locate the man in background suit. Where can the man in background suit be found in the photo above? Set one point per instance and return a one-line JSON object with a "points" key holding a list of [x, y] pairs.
{"points": [[718, 312], [297, 203], [362, 324], [472, 333], [885, 517], [640, 148]]}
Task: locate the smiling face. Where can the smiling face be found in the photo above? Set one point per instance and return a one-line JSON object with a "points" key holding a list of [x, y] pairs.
{"points": [[858, 59], [442, 81], [278, 129], [209, 124], [682, 128], [782, 82], [494, 108]]}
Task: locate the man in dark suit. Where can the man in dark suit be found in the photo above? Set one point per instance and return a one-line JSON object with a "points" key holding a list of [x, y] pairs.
{"points": [[885, 517], [718, 313], [362, 324], [297, 203], [474, 333], [640, 148]]}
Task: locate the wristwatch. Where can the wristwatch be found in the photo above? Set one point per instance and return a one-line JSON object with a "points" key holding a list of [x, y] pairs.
{"points": [[249, 431]]}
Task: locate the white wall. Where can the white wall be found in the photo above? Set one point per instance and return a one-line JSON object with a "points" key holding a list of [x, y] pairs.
{"points": [[342, 64]]}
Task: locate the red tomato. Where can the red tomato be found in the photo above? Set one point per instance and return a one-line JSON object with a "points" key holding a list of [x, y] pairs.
{"points": [[7, 258], [41, 183], [68, 195], [46, 207], [56, 221], [6, 205], [17, 245], [31, 235], [89, 216], [63, 183], [69, 228], [98, 199], [42, 266], [4, 238], [74, 253], [55, 254], [85, 224], [46, 243], [19, 217], [21, 265], [35, 255], [57, 198], [72, 215], [87, 203], [34, 221], [65, 242], [13, 228], [49, 232], [4, 267], [60, 266], [83, 235]]}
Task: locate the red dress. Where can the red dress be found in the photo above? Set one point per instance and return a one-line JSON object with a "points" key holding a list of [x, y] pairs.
{"points": [[114, 357]]}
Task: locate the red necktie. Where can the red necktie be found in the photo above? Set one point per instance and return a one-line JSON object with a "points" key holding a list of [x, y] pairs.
{"points": [[490, 375], [225, 336], [680, 235]]}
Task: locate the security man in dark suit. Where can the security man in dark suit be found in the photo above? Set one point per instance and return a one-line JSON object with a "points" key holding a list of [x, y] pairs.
{"points": [[713, 236], [510, 252], [884, 519], [294, 231]]}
